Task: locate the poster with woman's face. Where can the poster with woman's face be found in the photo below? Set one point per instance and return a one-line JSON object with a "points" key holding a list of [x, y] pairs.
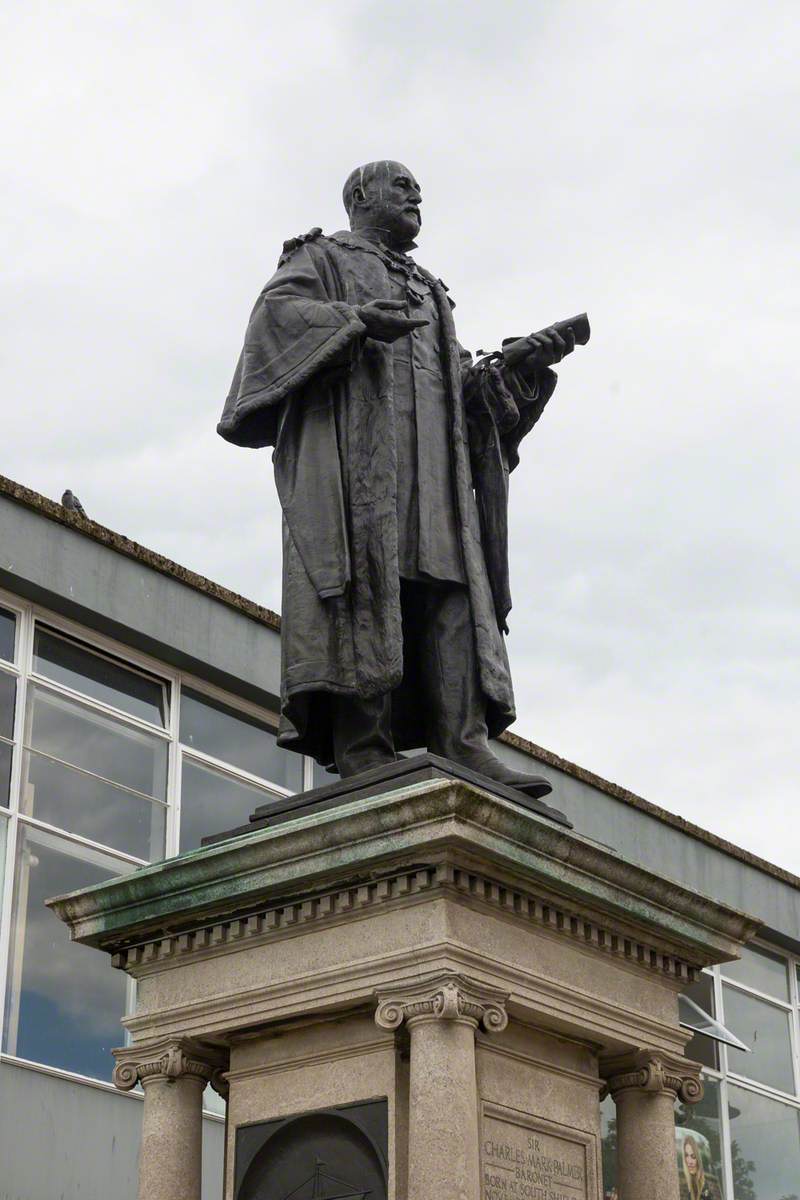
{"points": [[697, 1180]]}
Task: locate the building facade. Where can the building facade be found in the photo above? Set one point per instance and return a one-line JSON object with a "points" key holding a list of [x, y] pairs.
{"points": [[138, 710]]}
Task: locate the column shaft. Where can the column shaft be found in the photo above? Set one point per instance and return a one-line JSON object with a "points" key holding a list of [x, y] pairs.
{"points": [[443, 1151], [170, 1158], [644, 1085], [646, 1162]]}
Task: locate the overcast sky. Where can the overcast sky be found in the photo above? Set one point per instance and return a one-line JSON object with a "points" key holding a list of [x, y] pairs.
{"points": [[637, 160]]}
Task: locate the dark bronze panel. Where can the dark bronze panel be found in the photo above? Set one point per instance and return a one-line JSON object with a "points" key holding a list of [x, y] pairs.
{"points": [[329, 1154]]}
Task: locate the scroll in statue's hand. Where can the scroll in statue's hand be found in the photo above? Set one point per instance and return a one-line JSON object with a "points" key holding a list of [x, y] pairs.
{"points": [[386, 320], [549, 346]]}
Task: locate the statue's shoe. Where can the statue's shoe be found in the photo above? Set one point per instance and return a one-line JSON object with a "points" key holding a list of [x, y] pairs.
{"points": [[532, 785]]}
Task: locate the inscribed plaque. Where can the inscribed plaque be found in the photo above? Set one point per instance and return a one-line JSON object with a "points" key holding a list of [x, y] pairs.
{"points": [[525, 1158]]}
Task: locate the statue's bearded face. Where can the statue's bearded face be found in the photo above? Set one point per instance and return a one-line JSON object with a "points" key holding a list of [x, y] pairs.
{"points": [[389, 199]]}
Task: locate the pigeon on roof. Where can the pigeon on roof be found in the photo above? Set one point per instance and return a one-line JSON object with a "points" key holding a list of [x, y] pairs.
{"points": [[71, 502]]}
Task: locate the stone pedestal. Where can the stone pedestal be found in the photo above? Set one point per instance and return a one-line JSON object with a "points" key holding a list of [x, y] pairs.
{"points": [[453, 979]]}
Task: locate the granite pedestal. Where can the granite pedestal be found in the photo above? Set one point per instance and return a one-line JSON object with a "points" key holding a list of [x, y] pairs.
{"points": [[447, 981]]}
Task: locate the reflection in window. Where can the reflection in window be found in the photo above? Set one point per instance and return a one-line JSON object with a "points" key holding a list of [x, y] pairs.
{"points": [[96, 742], [8, 692], [8, 626], [101, 678], [760, 970], [83, 804], [63, 1004], [765, 1029], [698, 1138], [212, 802], [239, 739], [608, 1147], [765, 1146]]}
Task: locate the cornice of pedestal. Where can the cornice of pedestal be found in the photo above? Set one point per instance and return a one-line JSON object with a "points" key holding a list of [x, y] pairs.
{"points": [[169, 1059], [239, 887], [655, 1072], [603, 934], [443, 997]]}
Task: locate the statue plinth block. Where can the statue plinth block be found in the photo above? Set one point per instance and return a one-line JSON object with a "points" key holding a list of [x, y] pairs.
{"points": [[433, 951]]}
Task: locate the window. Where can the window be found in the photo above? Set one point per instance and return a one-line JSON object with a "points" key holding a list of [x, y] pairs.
{"points": [[703, 1049], [235, 737], [8, 696], [745, 1133], [100, 677], [212, 801], [765, 1028], [107, 762], [760, 970], [698, 1136], [765, 1146], [63, 1003], [214, 737], [8, 634]]}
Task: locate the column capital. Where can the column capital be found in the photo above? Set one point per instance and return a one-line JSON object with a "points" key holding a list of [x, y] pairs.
{"points": [[443, 997], [168, 1060], [653, 1071]]}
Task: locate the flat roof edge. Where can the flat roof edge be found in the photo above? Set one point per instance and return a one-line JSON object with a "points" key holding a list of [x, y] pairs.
{"points": [[549, 758], [54, 511]]}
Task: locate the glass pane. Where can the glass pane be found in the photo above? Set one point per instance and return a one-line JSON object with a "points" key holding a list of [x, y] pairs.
{"points": [[5, 773], [765, 1147], [764, 972], [212, 802], [608, 1146], [322, 776], [236, 738], [8, 692], [698, 1138], [104, 679], [213, 1102], [701, 1049], [8, 625], [64, 1001], [765, 1029], [64, 796], [96, 742]]}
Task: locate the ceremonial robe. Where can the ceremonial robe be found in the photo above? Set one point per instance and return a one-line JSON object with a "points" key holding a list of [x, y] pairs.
{"points": [[312, 385]]}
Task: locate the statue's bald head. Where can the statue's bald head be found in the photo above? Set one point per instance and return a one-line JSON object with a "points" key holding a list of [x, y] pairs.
{"points": [[384, 196]]}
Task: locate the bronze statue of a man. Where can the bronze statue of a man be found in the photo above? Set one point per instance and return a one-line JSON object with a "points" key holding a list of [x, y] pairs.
{"points": [[391, 451]]}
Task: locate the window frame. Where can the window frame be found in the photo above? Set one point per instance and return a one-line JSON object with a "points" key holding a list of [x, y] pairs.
{"points": [[725, 1077], [789, 1006]]}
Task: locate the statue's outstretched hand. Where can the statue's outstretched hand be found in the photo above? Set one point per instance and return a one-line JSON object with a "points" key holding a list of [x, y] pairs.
{"points": [[549, 346], [386, 320]]}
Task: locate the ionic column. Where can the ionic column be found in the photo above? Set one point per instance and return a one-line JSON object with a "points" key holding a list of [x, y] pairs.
{"points": [[644, 1086], [174, 1075], [442, 1016]]}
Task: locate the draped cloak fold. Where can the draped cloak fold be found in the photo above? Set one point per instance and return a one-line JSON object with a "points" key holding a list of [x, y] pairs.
{"points": [[312, 385]]}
